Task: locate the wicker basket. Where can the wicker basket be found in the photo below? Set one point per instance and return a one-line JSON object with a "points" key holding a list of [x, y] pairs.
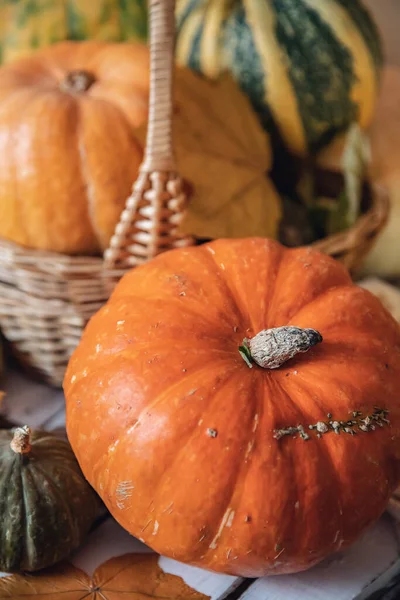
{"points": [[46, 299]]}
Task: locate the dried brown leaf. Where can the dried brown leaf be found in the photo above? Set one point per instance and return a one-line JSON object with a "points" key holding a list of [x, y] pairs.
{"points": [[225, 155], [63, 581], [138, 575]]}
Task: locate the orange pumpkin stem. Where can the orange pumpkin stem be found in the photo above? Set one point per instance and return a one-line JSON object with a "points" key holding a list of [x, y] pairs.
{"points": [[21, 442], [77, 82], [271, 348]]}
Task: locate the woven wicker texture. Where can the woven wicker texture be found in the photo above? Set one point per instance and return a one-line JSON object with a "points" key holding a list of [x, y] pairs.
{"points": [[46, 299], [351, 246]]}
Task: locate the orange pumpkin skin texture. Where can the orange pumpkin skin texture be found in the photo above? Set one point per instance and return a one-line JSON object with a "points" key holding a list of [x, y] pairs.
{"points": [[69, 154], [176, 432]]}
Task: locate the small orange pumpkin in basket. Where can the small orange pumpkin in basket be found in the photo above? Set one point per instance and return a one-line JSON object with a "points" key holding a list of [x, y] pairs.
{"points": [[236, 406], [69, 155], [73, 122]]}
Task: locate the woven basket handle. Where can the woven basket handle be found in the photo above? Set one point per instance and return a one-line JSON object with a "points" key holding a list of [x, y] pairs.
{"points": [[159, 153], [150, 222]]}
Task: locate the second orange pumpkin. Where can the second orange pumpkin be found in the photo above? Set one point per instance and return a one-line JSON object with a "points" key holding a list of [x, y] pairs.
{"points": [[68, 152]]}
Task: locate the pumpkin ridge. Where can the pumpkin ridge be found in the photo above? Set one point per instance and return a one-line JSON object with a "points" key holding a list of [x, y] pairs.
{"points": [[275, 383], [221, 280], [322, 296], [322, 448], [26, 238], [242, 471], [58, 497], [177, 303], [270, 306], [363, 355], [29, 547], [164, 394], [326, 450], [89, 188], [20, 209], [45, 448], [354, 328], [198, 551], [68, 110], [93, 202], [71, 473], [217, 353], [279, 259], [47, 452], [227, 289], [44, 438], [128, 353], [167, 393], [5, 483], [244, 467], [332, 287]]}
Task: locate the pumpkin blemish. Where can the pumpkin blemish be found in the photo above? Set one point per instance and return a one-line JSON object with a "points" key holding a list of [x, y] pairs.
{"points": [[212, 433], [368, 423]]}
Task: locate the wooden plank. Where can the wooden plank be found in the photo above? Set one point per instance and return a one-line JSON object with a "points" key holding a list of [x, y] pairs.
{"points": [[211, 584], [351, 575]]}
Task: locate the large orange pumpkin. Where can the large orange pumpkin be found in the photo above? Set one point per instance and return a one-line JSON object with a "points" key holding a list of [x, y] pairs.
{"points": [[248, 471], [68, 152]]}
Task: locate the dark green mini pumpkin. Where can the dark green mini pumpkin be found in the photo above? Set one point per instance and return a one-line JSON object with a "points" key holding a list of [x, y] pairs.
{"points": [[46, 505]]}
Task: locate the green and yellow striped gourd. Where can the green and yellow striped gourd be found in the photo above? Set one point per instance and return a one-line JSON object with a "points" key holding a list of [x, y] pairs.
{"points": [[30, 24], [309, 67]]}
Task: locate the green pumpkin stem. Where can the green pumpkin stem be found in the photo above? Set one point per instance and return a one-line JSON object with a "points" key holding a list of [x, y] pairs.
{"points": [[21, 442]]}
